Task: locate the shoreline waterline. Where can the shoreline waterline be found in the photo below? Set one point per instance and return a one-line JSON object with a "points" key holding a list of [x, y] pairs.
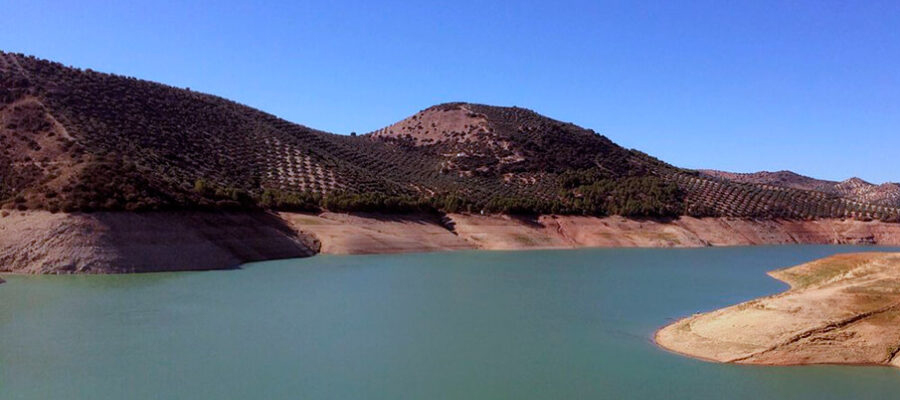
{"points": [[838, 310]]}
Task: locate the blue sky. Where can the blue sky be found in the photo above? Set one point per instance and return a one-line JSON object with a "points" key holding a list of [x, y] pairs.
{"points": [[810, 86]]}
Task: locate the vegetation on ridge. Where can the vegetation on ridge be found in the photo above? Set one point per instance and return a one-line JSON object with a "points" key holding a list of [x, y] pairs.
{"points": [[79, 140]]}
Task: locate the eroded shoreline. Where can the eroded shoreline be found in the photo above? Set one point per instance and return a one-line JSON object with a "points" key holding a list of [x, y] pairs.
{"points": [[121, 242], [842, 309]]}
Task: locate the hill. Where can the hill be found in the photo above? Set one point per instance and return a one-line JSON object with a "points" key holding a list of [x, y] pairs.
{"points": [[475, 139], [577, 171], [778, 178], [83, 140], [80, 140], [887, 194]]}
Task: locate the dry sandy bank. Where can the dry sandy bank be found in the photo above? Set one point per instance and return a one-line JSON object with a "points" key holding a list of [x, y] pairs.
{"points": [[843, 309], [373, 233], [41, 242], [550, 231], [376, 233]]}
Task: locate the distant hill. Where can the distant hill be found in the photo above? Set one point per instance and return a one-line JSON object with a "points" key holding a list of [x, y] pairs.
{"points": [[778, 178], [887, 194], [79, 140], [860, 190]]}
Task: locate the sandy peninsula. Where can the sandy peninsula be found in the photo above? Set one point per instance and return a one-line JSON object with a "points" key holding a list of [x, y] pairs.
{"points": [[843, 309]]}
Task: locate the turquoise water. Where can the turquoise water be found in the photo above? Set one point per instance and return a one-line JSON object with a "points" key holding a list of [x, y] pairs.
{"points": [[469, 325]]}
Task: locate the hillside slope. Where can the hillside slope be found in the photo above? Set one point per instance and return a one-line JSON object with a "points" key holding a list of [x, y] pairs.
{"points": [[82, 140], [563, 168], [79, 140], [475, 139], [886, 194]]}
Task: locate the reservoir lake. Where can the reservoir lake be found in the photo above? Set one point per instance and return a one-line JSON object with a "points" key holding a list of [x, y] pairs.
{"points": [[554, 324]]}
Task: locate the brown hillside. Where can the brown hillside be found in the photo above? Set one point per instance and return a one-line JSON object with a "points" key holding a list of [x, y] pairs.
{"points": [[79, 140], [473, 139], [60, 122]]}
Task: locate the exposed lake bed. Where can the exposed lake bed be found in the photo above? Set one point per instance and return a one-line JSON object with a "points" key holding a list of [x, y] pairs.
{"points": [[842, 309], [471, 324]]}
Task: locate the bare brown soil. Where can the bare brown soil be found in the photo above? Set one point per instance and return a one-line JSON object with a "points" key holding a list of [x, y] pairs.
{"points": [[376, 233], [437, 124], [843, 309], [41, 242], [552, 231]]}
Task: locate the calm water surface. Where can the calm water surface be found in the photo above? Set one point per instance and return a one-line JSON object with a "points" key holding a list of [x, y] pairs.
{"points": [[467, 325]]}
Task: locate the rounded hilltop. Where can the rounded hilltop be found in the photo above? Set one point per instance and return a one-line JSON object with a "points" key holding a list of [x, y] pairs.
{"points": [[478, 138]]}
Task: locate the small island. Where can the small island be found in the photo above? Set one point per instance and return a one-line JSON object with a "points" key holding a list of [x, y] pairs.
{"points": [[842, 309]]}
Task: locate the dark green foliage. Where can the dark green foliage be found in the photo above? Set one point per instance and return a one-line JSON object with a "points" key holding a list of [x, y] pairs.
{"points": [[452, 204], [286, 201], [572, 179], [518, 205], [119, 185], [372, 202], [646, 196]]}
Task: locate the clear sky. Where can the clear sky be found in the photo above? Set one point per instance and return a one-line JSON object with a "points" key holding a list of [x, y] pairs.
{"points": [[811, 86]]}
